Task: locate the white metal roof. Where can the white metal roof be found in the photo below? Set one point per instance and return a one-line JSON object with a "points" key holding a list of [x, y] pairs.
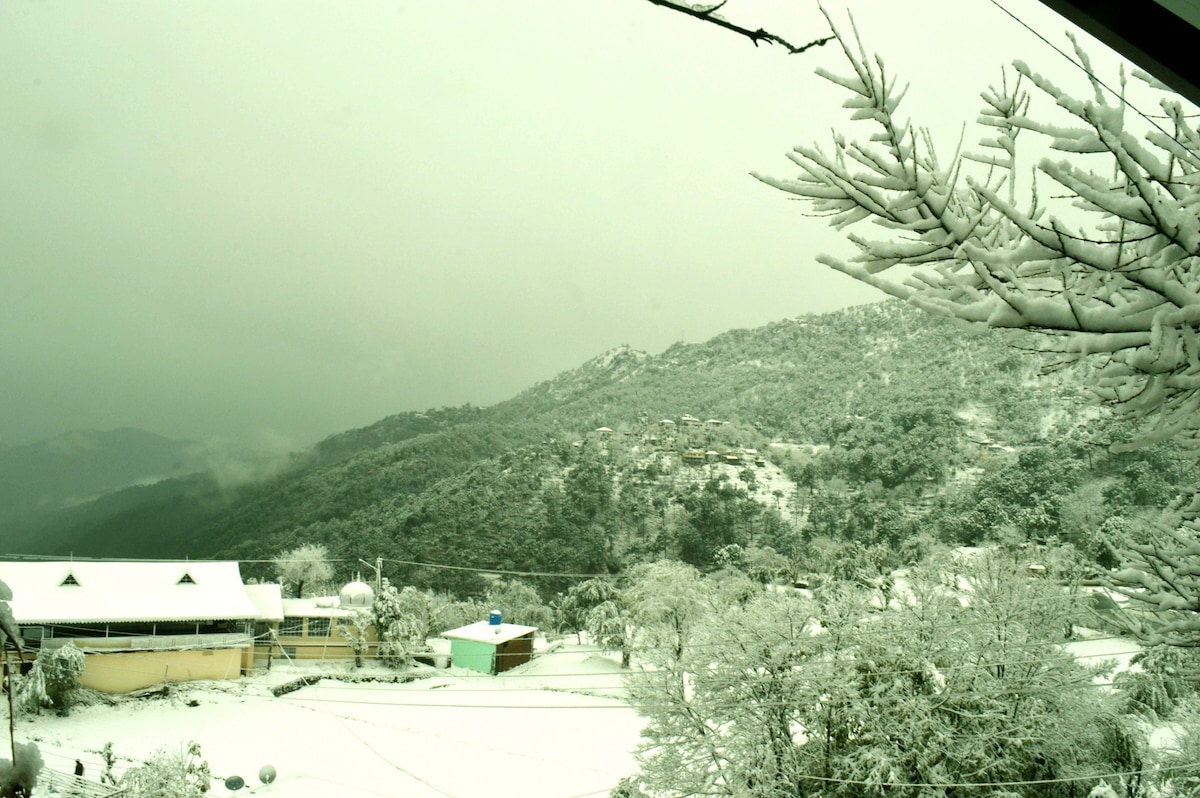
{"points": [[484, 632], [126, 591], [268, 599]]}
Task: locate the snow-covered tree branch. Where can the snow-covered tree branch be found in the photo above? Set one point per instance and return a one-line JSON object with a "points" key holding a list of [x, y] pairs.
{"points": [[708, 13], [1111, 276], [1106, 265]]}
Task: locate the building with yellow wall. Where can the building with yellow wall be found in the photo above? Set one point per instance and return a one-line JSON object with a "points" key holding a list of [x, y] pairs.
{"points": [[302, 629], [138, 623]]}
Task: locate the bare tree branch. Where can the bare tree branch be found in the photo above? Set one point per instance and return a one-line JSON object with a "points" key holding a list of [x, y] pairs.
{"points": [[709, 15]]}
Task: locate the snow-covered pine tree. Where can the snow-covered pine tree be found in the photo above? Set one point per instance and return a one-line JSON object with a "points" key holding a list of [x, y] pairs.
{"points": [[1106, 265], [402, 621]]}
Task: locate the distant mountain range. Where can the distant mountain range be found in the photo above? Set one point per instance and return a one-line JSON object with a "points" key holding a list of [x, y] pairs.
{"points": [[80, 466], [446, 484]]}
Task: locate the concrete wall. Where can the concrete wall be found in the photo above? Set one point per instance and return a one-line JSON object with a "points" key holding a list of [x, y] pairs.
{"points": [[122, 672]]}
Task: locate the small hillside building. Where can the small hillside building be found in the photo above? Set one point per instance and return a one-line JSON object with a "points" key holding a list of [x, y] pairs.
{"points": [[490, 647]]}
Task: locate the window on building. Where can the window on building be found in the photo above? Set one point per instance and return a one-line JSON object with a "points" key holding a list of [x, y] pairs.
{"points": [[70, 580], [318, 627], [186, 579], [291, 627], [33, 634]]}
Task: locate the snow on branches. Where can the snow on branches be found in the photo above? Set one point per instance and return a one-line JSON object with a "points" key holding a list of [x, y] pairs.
{"points": [[1111, 276]]}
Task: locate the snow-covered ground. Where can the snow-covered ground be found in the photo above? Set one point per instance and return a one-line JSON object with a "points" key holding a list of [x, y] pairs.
{"points": [[556, 727], [1100, 649]]}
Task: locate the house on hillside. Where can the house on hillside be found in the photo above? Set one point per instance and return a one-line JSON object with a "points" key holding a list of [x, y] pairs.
{"points": [[491, 646], [138, 623]]}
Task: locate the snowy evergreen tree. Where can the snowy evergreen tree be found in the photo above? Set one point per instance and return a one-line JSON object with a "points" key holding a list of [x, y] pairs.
{"points": [[665, 601], [402, 620], [1105, 263], [573, 610], [1109, 274], [61, 668], [610, 627], [519, 603]]}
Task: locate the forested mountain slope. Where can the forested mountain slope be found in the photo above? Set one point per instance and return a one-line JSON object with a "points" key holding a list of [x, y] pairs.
{"points": [[881, 420], [77, 466]]}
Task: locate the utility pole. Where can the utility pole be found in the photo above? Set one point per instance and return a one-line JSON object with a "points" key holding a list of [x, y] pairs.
{"points": [[378, 568]]}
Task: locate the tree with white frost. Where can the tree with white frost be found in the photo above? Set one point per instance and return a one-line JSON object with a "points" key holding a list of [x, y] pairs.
{"points": [[1099, 251], [664, 601], [1110, 275], [788, 696], [304, 569]]}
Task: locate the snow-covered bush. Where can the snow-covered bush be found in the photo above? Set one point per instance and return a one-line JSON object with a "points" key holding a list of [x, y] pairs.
{"points": [[19, 780], [52, 681], [519, 603], [450, 613], [169, 773]]}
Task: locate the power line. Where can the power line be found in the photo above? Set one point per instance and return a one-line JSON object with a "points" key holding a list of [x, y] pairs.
{"points": [[1091, 75], [503, 572]]}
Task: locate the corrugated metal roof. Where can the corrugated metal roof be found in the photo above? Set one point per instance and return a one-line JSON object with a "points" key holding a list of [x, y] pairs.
{"points": [[99, 592]]}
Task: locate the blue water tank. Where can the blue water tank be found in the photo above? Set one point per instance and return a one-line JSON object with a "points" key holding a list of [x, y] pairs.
{"points": [[494, 618]]}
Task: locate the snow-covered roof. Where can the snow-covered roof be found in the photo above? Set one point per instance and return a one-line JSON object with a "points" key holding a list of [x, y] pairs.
{"points": [[268, 599], [484, 632], [99, 592], [323, 607]]}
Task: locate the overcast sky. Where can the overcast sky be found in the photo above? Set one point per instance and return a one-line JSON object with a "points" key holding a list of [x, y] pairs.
{"points": [[280, 220]]}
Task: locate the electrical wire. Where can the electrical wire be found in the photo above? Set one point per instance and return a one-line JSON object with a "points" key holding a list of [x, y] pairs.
{"points": [[501, 572], [1091, 75]]}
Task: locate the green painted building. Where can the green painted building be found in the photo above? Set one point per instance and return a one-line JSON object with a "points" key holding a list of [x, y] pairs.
{"points": [[490, 647]]}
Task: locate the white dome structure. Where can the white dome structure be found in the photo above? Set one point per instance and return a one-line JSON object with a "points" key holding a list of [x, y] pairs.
{"points": [[356, 595]]}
